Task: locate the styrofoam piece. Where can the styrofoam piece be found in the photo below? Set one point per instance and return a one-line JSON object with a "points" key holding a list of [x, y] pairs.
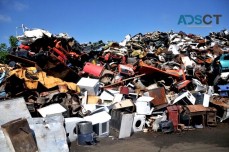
{"points": [[50, 133], [138, 123], [13, 109], [51, 109], [70, 125], [100, 117], [90, 85]]}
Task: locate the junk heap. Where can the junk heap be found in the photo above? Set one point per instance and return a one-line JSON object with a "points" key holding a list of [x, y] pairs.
{"points": [[63, 91]]}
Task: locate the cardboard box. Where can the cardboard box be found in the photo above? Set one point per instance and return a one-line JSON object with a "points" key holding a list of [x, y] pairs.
{"points": [[123, 104]]}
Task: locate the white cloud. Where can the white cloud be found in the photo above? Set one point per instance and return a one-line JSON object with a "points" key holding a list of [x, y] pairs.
{"points": [[4, 18], [13, 4], [20, 6]]}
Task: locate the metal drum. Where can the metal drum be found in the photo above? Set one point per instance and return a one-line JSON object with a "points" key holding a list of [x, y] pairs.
{"points": [[84, 127], [86, 139]]}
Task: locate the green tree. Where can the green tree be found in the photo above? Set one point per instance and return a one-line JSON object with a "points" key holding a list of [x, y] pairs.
{"points": [[3, 47], [3, 52], [13, 41]]}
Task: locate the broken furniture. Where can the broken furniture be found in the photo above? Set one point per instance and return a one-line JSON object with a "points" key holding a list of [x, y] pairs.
{"points": [[211, 117], [193, 111]]}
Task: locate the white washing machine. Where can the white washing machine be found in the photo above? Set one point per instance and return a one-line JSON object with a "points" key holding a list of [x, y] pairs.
{"points": [[138, 123]]}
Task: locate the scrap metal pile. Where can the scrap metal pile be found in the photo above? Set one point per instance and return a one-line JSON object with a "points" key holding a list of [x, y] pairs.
{"points": [[148, 82]]}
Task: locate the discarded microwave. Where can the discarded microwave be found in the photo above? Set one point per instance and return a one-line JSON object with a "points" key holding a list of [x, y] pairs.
{"points": [[185, 99]]}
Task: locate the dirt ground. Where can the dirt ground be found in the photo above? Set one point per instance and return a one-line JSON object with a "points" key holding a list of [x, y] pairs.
{"points": [[209, 139]]}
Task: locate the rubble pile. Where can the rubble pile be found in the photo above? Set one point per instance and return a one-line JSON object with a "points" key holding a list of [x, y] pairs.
{"points": [[158, 81]]}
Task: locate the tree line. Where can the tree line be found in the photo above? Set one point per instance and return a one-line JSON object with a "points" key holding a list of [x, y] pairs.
{"points": [[13, 41]]}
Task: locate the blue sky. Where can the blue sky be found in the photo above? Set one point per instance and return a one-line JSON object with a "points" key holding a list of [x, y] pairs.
{"points": [[93, 20]]}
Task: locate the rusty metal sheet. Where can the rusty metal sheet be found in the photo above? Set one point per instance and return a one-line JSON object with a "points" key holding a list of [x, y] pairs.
{"points": [[19, 136], [177, 74], [196, 108], [159, 96]]}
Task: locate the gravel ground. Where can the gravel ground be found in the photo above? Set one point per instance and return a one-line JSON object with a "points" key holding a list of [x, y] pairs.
{"points": [[209, 139]]}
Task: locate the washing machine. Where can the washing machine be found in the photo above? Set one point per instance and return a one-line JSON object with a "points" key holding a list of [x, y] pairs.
{"points": [[138, 122]]}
